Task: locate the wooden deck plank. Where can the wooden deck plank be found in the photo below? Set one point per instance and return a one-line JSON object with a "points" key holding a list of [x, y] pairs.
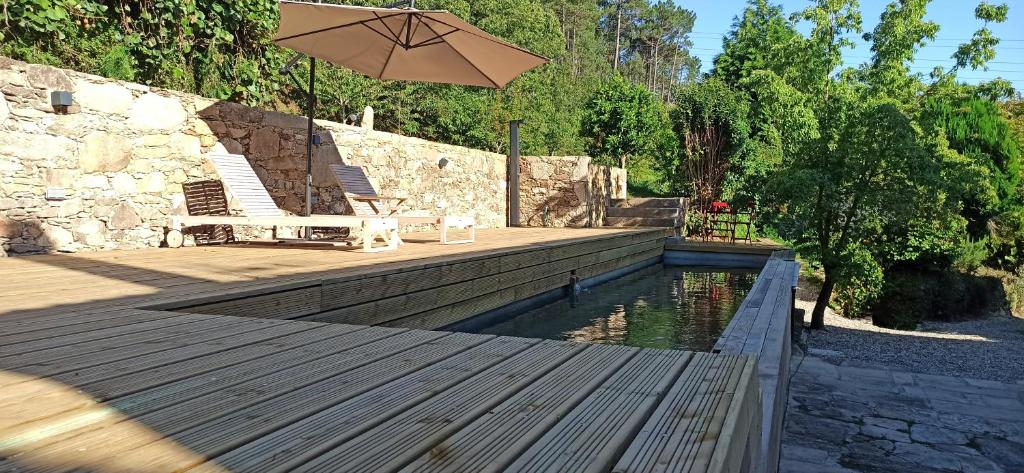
{"points": [[110, 380], [218, 432], [495, 439], [56, 327], [33, 388], [117, 335], [83, 355], [152, 390], [222, 264], [683, 431], [414, 431], [304, 439], [121, 439], [593, 435], [735, 333]]}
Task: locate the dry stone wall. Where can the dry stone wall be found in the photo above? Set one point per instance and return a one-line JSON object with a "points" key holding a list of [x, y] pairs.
{"points": [[122, 152], [567, 191]]}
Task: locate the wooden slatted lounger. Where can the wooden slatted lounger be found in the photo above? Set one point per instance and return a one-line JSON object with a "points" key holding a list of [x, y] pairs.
{"points": [[365, 202], [260, 210]]}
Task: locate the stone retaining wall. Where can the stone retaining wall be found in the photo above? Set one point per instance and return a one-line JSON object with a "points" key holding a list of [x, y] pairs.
{"points": [[567, 191], [122, 152]]}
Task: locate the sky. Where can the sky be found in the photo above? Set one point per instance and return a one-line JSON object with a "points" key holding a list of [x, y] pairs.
{"points": [[955, 18]]}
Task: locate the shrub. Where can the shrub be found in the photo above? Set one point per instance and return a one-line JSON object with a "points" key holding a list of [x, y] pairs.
{"points": [[971, 254], [908, 297], [859, 283]]}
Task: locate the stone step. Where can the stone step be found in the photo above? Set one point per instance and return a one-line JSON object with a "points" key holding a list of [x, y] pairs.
{"points": [[641, 212], [649, 202], [640, 222]]}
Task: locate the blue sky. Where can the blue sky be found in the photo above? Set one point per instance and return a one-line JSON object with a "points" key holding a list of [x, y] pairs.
{"points": [[955, 17]]}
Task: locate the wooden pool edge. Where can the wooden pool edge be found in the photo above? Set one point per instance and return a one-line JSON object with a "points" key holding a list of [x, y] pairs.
{"points": [[762, 327]]}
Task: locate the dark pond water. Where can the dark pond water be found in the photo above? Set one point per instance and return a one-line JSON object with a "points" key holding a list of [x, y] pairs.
{"points": [[661, 306]]}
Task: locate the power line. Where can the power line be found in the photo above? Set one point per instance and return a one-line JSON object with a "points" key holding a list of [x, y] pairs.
{"points": [[936, 39]]}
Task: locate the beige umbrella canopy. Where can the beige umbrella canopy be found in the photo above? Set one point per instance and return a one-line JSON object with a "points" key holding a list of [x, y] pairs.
{"points": [[395, 44], [402, 44]]}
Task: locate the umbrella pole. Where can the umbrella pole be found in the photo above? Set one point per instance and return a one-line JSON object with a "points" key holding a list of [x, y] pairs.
{"points": [[311, 98]]}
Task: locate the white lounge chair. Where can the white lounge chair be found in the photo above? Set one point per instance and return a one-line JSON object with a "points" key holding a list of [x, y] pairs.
{"points": [[260, 210], [365, 202]]}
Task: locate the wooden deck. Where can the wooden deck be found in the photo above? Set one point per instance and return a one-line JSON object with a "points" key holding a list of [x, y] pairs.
{"points": [[91, 381]]}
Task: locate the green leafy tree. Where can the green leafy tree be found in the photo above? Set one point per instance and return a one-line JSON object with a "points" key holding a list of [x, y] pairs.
{"points": [[762, 39], [876, 174], [901, 31], [978, 131], [982, 47], [782, 125], [624, 121], [710, 122]]}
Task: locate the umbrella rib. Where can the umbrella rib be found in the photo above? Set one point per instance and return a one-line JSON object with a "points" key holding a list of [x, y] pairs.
{"points": [[413, 35], [491, 38], [387, 61], [437, 39], [394, 35], [432, 42], [463, 56], [381, 34], [337, 27]]}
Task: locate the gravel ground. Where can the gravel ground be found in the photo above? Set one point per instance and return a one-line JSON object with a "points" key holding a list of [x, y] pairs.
{"points": [[990, 348]]}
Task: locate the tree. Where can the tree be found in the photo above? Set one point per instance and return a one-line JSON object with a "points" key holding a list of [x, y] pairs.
{"points": [[877, 174], [624, 123], [897, 37], [821, 55], [982, 47], [977, 130], [710, 122], [762, 39], [782, 126]]}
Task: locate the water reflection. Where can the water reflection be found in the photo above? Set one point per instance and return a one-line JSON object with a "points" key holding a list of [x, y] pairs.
{"points": [[659, 307]]}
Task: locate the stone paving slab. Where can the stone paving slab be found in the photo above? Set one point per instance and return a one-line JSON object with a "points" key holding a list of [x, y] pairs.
{"points": [[845, 419]]}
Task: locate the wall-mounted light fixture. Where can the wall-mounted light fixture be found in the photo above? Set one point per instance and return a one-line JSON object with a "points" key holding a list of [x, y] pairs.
{"points": [[61, 101]]}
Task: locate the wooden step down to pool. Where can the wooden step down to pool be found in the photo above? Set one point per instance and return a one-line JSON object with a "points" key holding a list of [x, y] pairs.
{"points": [[273, 395], [646, 212]]}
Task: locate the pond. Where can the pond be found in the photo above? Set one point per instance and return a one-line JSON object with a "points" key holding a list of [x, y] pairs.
{"points": [[661, 306]]}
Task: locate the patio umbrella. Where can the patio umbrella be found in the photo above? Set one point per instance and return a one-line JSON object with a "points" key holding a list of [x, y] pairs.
{"points": [[398, 44]]}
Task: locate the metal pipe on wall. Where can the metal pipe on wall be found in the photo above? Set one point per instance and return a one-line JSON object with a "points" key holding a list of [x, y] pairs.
{"points": [[513, 173]]}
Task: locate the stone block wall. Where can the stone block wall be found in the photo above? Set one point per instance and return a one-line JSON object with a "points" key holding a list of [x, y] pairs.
{"points": [[122, 152], [567, 191]]}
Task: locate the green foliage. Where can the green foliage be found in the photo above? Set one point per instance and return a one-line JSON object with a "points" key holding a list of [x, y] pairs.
{"points": [[223, 49], [871, 172], [982, 47], [900, 32], [977, 130], [859, 282], [971, 254], [623, 121], [912, 296], [711, 122], [782, 124], [762, 39]]}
